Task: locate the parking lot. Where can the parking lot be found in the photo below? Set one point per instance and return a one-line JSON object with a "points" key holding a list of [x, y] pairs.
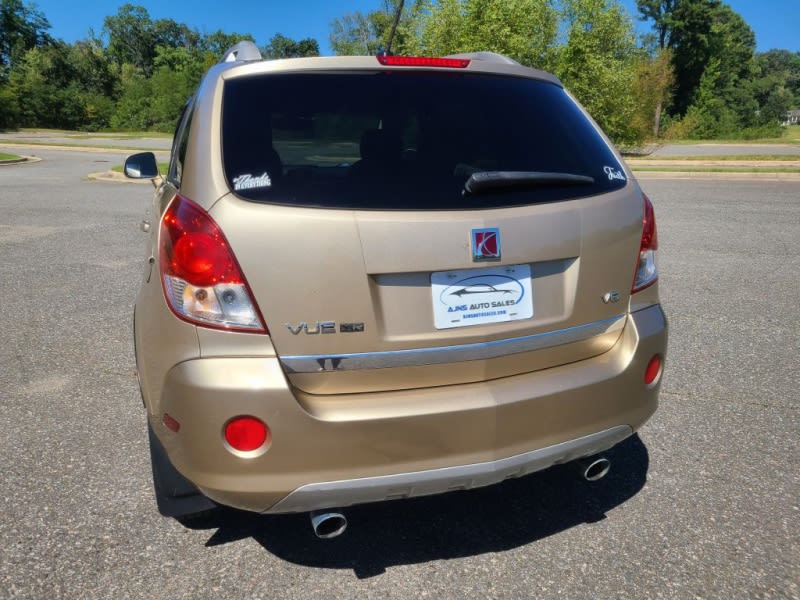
{"points": [[703, 503]]}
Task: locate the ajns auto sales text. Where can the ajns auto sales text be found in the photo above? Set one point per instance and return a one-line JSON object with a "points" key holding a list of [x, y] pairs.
{"points": [[480, 306]]}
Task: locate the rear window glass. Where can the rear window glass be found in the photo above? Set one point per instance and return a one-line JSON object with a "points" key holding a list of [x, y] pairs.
{"points": [[408, 140]]}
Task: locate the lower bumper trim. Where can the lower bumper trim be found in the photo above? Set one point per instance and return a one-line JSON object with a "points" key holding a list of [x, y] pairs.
{"points": [[347, 492]]}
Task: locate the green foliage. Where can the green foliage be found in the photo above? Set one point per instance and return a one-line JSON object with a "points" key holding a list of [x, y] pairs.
{"points": [[598, 65], [22, 27], [218, 42], [359, 34], [281, 46], [66, 86], [661, 13], [652, 91], [130, 37], [133, 108], [722, 88], [354, 34], [698, 31], [154, 103], [134, 38], [709, 112], [700, 72], [776, 85], [9, 109], [524, 30]]}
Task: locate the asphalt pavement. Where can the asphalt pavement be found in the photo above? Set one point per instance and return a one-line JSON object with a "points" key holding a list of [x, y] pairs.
{"points": [[710, 149], [703, 503]]}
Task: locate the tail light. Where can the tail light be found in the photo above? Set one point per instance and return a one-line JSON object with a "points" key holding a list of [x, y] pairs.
{"points": [[423, 61], [203, 283], [646, 271]]}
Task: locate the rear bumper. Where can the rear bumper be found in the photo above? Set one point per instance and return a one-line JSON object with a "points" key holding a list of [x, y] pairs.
{"points": [[447, 479], [329, 451]]}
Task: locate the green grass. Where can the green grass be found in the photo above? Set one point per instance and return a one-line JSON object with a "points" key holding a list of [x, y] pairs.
{"points": [[5, 156], [690, 169], [721, 157], [790, 135]]}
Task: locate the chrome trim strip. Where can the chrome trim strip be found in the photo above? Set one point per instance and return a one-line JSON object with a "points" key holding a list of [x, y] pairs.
{"points": [[316, 496], [314, 363]]}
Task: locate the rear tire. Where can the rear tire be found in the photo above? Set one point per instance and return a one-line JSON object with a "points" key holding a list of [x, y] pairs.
{"points": [[176, 496]]}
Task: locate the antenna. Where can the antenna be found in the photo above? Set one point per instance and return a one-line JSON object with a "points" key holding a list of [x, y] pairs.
{"points": [[394, 26]]}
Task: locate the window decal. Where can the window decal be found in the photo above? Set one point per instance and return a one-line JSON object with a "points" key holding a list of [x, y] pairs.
{"points": [[248, 182]]}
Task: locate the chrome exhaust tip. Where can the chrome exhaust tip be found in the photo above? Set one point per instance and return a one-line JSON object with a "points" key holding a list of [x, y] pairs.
{"points": [[593, 468], [328, 525]]}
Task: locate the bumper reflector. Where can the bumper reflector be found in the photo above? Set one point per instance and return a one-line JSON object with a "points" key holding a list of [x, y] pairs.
{"points": [[653, 370], [171, 423], [246, 434]]}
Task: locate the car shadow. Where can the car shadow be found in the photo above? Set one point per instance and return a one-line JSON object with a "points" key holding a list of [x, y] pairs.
{"points": [[511, 514]]}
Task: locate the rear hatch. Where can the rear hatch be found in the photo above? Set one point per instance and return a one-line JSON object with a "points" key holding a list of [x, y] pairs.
{"points": [[404, 229]]}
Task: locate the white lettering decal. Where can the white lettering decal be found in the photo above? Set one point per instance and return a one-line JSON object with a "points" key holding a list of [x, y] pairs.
{"points": [[248, 182], [614, 174]]}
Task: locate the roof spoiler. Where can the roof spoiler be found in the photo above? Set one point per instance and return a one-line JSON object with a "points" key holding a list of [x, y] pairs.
{"points": [[244, 51], [486, 56]]}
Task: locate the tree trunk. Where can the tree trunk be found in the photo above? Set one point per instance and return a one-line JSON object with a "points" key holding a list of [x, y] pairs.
{"points": [[657, 119]]}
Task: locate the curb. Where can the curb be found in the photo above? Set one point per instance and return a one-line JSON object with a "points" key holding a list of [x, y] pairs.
{"points": [[19, 161], [114, 177]]}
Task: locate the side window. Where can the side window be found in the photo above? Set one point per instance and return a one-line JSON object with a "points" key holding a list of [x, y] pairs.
{"points": [[179, 145]]}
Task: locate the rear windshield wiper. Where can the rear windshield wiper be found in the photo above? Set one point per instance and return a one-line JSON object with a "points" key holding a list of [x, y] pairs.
{"points": [[491, 181]]}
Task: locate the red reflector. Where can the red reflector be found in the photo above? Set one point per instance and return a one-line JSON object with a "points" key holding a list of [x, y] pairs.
{"points": [[423, 61], [653, 370], [170, 423], [246, 434]]}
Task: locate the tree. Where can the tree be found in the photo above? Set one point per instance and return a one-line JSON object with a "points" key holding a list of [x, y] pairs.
{"points": [[357, 33], [661, 13], [597, 64], [131, 39], [524, 30], [9, 109], [218, 42], [22, 27], [698, 31], [652, 90], [45, 78], [64, 86], [281, 46], [133, 109], [353, 34]]}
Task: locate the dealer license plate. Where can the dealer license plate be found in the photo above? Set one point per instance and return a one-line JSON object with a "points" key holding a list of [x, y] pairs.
{"points": [[481, 296]]}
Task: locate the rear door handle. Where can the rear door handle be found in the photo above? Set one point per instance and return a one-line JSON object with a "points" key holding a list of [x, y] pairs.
{"points": [[145, 226]]}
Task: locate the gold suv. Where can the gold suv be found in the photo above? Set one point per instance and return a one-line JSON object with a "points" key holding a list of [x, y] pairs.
{"points": [[371, 278]]}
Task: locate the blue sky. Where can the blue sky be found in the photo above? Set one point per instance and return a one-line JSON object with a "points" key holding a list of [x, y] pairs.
{"points": [[775, 22]]}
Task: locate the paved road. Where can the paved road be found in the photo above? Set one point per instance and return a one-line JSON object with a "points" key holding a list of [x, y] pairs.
{"points": [[705, 502], [725, 149]]}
